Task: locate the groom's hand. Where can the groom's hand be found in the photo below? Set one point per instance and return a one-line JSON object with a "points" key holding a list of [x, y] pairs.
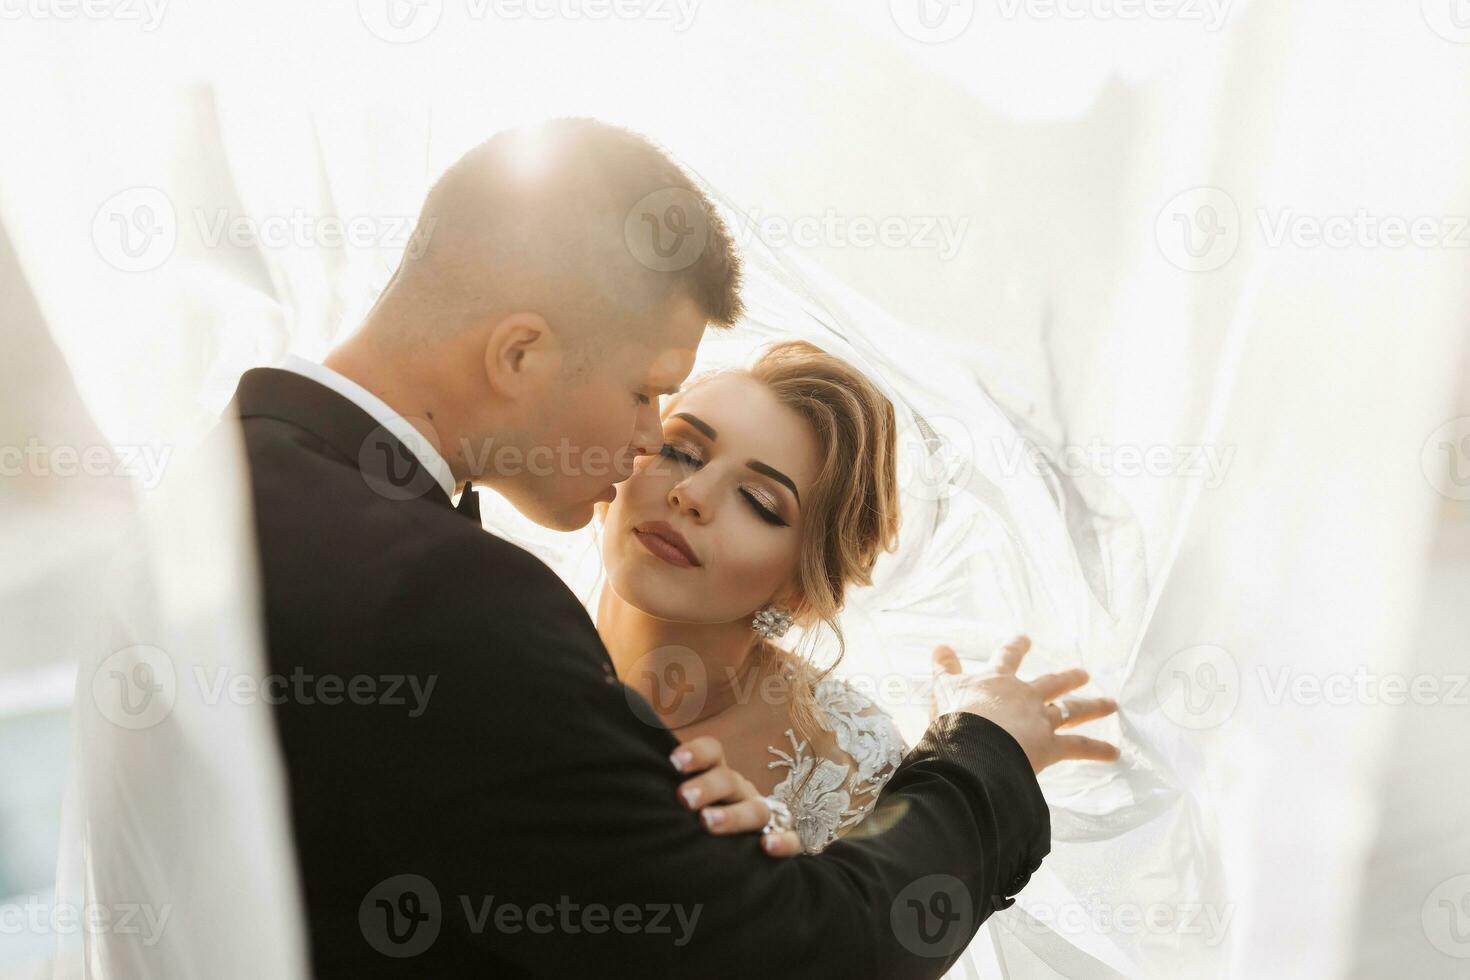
{"points": [[727, 802], [1025, 709]]}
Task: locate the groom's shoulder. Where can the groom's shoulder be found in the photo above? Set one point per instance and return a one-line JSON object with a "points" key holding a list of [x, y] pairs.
{"points": [[461, 548], [483, 604], [484, 577]]}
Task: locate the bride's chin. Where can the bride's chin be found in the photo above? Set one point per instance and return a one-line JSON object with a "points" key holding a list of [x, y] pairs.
{"points": [[635, 588]]}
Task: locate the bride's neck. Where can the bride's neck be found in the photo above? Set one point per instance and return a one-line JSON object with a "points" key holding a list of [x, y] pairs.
{"points": [[645, 649]]}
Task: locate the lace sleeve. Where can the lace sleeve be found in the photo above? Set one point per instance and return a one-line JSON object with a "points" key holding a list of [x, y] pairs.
{"points": [[832, 788]]}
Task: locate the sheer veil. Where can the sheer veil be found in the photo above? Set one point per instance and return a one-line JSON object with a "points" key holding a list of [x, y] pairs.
{"points": [[1091, 153]]}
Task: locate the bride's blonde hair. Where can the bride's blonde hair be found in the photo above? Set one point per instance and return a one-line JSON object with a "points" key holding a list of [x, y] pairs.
{"points": [[851, 512]]}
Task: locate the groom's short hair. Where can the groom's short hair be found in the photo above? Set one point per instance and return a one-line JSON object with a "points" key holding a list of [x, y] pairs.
{"points": [[554, 217]]}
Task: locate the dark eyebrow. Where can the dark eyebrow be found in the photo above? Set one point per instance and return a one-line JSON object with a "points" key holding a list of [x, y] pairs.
{"points": [[754, 464], [776, 475], [698, 423]]}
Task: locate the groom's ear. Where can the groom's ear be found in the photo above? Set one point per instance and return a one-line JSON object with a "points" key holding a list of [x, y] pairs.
{"points": [[522, 354]]}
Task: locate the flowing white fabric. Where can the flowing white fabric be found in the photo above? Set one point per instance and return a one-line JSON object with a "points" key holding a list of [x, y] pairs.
{"points": [[174, 857], [1322, 370]]}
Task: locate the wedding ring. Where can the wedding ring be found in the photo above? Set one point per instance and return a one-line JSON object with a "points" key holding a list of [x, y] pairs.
{"points": [[780, 817], [1065, 710]]}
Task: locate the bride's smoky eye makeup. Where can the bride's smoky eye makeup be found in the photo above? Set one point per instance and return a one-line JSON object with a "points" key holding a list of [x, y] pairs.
{"points": [[760, 500], [681, 455], [765, 511]]}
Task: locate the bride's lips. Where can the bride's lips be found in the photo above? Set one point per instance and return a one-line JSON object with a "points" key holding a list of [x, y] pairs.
{"points": [[666, 543]]}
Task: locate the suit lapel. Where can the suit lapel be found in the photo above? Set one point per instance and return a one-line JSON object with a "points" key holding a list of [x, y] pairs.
{"points": [[386, 464]]}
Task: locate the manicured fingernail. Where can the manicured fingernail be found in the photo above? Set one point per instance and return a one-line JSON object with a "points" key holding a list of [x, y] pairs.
{"points": [[691, 796], [712, 818], [681, 758], [768, 842]]}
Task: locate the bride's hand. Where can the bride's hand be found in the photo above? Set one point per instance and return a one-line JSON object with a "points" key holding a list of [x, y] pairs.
{"points": [[1031, 711], [727, 802]]}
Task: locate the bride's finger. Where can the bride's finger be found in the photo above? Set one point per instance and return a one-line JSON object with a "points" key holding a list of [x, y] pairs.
{"points": [[1079, 710], [781, 843], [1008, 658], [741, 817], [698, 754], [718, 785], [946, 661], [746, 817], [1082, 747], [1053, 686]]}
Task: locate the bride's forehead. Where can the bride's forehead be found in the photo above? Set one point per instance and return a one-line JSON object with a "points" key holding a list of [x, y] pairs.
{"points": [[739, 407]]}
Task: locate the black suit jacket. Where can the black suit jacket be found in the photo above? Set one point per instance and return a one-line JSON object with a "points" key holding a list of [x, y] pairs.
{"points": [[518, 818]]}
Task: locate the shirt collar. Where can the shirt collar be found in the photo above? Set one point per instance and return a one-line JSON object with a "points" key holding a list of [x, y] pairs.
{"points": [[402, 429]]}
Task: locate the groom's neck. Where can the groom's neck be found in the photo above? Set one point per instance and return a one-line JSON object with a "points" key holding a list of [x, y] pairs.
{"points": [[397, 381]]}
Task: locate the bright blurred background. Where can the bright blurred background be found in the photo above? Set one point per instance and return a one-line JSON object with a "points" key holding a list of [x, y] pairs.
{"points": [[1182, 224]]}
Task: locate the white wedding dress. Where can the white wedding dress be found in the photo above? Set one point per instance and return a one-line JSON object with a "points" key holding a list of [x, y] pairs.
{"points": [[830, 789]]}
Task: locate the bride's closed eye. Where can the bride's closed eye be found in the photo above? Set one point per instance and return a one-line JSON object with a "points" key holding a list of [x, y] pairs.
{"points": [[764, 506], [681, 455], [759, 500]]}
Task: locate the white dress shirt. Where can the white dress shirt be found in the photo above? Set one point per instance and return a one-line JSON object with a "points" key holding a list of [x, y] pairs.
{"points": [[402, 429]]}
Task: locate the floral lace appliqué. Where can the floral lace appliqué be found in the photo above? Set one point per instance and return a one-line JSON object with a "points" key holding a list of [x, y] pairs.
{"points": [[829, 795]]}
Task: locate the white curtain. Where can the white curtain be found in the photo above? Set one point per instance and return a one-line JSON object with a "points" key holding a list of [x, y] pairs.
{"points": [[1283, 390]]}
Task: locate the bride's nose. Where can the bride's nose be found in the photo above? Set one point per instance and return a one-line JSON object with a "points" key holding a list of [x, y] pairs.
{"points": [[688, 499]]}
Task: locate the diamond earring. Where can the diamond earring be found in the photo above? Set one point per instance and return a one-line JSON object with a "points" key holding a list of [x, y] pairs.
{"points": [[772, 622]]}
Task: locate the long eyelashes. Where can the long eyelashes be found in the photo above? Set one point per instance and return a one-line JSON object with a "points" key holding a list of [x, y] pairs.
{"points": [[761, 511], [669, 451], [685, 458]]}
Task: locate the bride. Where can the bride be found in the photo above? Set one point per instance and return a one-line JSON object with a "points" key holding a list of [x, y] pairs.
{"points": [[775, 490]]}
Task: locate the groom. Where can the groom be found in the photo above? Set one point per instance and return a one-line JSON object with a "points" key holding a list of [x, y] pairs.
{"points": [[518, 816]]}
